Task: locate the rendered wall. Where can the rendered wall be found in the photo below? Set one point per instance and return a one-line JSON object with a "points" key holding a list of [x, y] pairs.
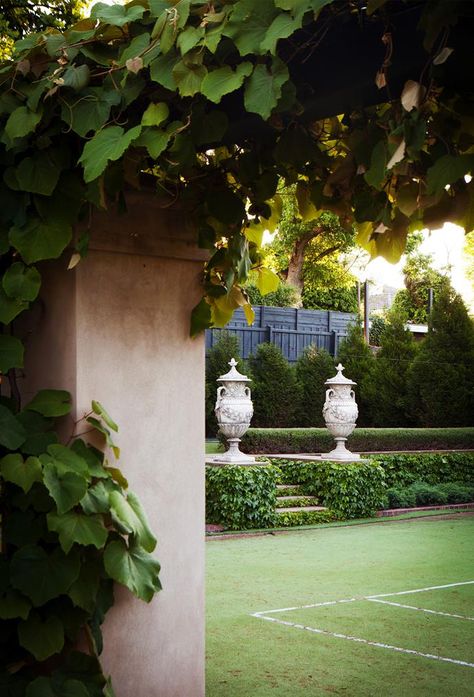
{"points": [[116, 329]]}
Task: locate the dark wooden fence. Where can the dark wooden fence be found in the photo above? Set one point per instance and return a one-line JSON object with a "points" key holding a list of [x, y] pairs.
{"points": [[288, 328]]}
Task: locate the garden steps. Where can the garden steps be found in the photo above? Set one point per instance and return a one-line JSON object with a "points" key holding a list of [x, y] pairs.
{"points": [[297, 509], [301, 502]]}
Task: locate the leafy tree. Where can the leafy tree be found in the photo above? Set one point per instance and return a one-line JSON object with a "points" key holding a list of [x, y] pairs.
{"points": [[387, 387], [313, 368], [338, 299], [358, 361], [276, 392], [307, 250], [419, 277], [283, 296], [217, 363], [441, 378], [20, 17]]}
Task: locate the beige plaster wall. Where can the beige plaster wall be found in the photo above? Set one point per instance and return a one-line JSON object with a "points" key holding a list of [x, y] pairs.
{"points": [[124, 341]]}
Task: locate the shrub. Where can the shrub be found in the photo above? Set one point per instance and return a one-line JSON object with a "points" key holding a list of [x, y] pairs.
{"points": [[318, 440], [428, 494], [358, 361], [241, 497], [313, 368], [386, 385], [378, 325], [441, 378], [457, 492], [276, 392], [349, 489], [217, 363], [424, 494], [400, 498]]}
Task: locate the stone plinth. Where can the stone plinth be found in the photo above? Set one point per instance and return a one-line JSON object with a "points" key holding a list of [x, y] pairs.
{"points": [[116, 329]]}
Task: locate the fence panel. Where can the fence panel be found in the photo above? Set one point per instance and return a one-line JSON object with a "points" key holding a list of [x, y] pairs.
{"points": [[289, 328]]}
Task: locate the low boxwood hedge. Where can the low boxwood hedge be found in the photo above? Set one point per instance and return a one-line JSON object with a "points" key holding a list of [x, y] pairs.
{"points": [[424, 494], [318, 440]]}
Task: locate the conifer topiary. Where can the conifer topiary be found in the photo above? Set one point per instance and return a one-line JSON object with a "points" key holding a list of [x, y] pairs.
{"points": [[313, 368], [387, 387], [275, 389], [441, 378], [217, 363], [358, 361]]}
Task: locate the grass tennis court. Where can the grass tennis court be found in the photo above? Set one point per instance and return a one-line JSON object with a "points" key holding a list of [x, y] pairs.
{"points": [[370, 610]]}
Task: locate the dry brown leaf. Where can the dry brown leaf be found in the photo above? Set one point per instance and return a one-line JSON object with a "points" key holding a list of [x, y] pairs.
{"points": [[397, 156], [412, 95], [134, 65], [380, 79], [74, 260], [442, 55]]}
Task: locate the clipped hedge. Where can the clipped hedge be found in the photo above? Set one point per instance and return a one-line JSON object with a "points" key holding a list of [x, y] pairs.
{"points": [[423, 494], [241, 497], [349, 490], [318, 440], [403, 469]]}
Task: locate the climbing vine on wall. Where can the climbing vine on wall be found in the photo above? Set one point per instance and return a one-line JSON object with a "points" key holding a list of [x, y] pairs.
{"points": [[204, 103]]}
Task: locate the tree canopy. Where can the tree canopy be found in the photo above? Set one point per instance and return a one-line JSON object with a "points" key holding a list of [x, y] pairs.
{"points": [[211, 105]]}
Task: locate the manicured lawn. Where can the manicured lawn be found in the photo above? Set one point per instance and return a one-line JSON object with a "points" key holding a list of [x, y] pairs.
{"points": [[250, 656], [213, 446]]}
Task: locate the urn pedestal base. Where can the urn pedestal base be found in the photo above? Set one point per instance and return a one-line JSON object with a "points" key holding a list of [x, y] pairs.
{"points": [[340, 452], [233, 456]]}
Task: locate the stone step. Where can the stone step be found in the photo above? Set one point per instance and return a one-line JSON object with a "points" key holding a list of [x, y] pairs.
{"points": [[299, 501], [288, 486], [296, 509]]}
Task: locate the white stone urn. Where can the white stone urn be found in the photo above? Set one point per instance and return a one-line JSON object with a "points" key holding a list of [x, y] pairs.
{"points": [[340, 414], [233, 410]]}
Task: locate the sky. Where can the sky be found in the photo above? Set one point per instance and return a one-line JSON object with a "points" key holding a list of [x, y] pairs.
{"points": [[446, 248]]}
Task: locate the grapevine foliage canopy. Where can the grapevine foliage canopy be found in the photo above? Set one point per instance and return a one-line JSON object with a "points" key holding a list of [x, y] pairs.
{"points": [[210, 105]]}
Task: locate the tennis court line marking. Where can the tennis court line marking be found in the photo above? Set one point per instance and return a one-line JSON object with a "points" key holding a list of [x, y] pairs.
{"points": [[363, 597], [420, 609], [263, 615]]}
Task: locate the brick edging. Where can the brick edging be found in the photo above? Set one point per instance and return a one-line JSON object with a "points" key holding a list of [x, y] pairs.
{"points": [[445, 507]]}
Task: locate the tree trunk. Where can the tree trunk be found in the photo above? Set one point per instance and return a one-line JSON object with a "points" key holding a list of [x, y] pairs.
{"points": [[295, 267]]}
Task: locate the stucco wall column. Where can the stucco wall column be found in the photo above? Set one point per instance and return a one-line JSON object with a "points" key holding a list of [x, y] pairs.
{"points": [[116, 329]]}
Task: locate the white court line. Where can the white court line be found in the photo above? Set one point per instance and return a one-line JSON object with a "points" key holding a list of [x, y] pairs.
{"points": [[359, 640], [374, 598], [420, 590], [420, 609], [305, 607]]}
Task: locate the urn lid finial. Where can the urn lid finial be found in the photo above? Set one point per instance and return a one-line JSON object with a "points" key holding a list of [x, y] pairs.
{"points": [[233, 374], [339, 378]]}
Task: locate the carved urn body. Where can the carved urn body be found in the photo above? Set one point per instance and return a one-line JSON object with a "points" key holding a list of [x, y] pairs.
{"points": [[340, 414], [233, 410]]}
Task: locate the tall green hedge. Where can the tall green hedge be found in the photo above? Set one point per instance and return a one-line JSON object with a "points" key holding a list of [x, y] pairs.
{"points": [[276, 391]]}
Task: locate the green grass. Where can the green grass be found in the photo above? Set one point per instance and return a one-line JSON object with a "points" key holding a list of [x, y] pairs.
{"points": [[247, 656], [213, 447]]}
